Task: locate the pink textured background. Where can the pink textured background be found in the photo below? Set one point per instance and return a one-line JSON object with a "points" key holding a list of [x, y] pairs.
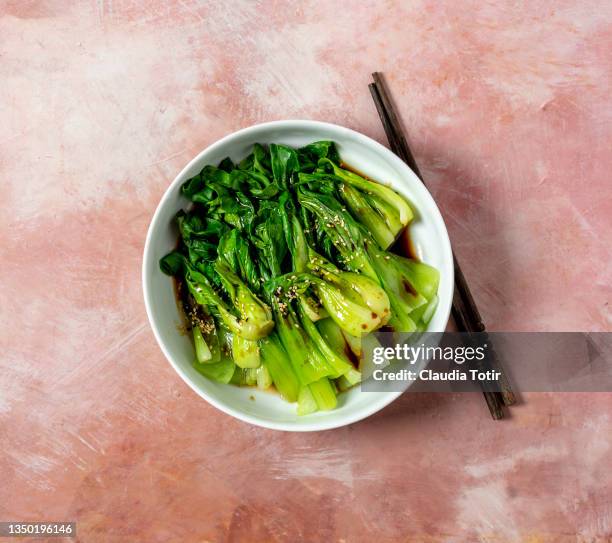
{"points": [[507, 105]]}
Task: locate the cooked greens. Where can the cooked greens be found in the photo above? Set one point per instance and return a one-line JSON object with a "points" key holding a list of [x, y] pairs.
{"points": [[283, 264]]}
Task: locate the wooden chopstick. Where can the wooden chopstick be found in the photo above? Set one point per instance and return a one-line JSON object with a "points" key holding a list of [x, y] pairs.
{"points": [[464, 309]]}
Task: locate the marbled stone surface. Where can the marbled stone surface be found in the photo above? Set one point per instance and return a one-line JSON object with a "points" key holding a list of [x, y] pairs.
{"points": [[507, 106]]}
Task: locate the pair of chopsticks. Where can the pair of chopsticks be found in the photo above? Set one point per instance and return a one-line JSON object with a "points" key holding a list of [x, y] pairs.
{"points": [[464, 310]]}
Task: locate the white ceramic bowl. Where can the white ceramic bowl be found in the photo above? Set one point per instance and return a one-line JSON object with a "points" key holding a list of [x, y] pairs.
{"points": [[427, 232]]}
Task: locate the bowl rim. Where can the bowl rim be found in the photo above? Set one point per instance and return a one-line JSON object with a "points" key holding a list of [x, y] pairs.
{"points": [[382, 399]]}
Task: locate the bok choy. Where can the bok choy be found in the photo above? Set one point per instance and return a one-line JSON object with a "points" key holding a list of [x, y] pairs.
{"points": [[284, 264]]}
